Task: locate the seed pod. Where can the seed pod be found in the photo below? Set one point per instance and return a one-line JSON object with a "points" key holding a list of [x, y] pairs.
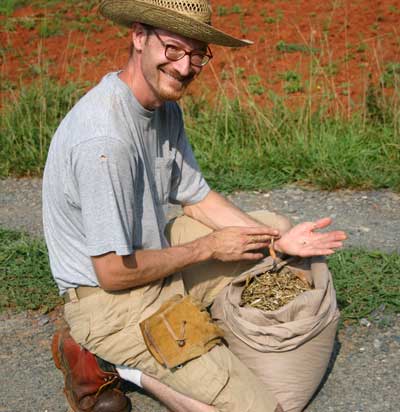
{"points": [[272, 290]]}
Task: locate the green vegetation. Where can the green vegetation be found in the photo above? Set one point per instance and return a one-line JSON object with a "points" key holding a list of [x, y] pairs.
{"points": [[236, 9], [239, 144], [28, 122], [27, 23], [361, 48], [363, 280], [269, 20], [284, 47], [25, 279], [240, 72], [49, 28], [293, 82], [7, 7], [225, 11], [222, 11], [391, 75], [331, 69], [243, 146], [255, 85]]}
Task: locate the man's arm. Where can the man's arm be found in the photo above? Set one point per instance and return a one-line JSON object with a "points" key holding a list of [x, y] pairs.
{"points": [[302, 240], [217, 212], [236, 236], [144, 266]]}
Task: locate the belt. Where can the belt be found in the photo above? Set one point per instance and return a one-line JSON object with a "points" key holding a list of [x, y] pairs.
{"points": [[75, 294]]}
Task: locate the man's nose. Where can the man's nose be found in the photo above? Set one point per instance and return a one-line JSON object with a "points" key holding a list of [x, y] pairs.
{"points": [[183, 66]]}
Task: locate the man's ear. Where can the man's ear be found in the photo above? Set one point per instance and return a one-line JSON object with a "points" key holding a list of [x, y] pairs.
{"points": [[139, 36]]}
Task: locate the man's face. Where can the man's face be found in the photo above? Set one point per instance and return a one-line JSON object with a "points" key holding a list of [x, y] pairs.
{"points": [[166, 79]]}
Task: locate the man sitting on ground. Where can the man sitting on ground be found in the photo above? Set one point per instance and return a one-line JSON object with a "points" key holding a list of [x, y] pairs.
{"points": [[116, 160]]}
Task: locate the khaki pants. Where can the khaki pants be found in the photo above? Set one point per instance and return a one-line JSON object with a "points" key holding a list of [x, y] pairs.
{"points": [[107, 324]]}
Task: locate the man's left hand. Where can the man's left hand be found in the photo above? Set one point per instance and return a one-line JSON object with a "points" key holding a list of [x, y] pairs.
{"points": [[302, 241]]}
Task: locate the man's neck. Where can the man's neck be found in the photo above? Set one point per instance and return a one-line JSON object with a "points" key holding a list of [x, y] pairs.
{"points": [[137, 83]]}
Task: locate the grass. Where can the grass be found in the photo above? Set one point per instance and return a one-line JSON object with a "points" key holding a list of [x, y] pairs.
{"points": [[49, 28], [242, 146], [363, 280], [225, 11], [239, 144], [391, 75], [294, 48], [28, 122], [7, 7], [25, 279], [293, 82]]}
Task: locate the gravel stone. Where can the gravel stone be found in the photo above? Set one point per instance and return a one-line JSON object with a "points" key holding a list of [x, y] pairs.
{"points": [[365, 322], [365, 365]]}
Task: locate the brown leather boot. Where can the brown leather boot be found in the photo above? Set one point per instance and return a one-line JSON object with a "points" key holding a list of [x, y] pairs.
{"points": [[91, 384]]}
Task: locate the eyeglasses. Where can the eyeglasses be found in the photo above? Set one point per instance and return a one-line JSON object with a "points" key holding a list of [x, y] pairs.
{"points": [[197, 58]]}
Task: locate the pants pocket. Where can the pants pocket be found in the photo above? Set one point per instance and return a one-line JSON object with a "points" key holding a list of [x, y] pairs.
{"points": [[78, 322], [202, 378]]}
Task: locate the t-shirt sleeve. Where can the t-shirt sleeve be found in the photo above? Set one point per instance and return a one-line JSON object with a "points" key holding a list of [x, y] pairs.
{"points": [[103, 171], [188, 185]]}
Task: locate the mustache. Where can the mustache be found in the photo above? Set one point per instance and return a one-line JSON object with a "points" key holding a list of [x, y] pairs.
{"points": [[176, 75]]}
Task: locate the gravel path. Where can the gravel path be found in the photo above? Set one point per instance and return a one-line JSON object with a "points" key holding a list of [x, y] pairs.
{"points": [[366, 364], [371, 219]]}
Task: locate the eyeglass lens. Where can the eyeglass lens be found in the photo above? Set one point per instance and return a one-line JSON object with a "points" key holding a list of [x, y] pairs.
{"points": [[197, 57]]}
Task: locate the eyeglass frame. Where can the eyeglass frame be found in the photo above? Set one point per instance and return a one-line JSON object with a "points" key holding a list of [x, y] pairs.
{"points": [[208, 54]]}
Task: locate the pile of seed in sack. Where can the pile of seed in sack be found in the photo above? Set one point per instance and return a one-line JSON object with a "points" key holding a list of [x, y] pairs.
{"points": [[272, 290]]}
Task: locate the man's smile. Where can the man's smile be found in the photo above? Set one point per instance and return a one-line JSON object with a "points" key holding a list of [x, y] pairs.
{"points": [[177, 77]]}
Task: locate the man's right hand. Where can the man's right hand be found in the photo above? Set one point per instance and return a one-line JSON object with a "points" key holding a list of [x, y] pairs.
{"points": [[141, 267], [239, 243]]}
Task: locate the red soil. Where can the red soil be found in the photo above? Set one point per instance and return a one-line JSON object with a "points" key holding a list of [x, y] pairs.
{"points": [[352, 41]]}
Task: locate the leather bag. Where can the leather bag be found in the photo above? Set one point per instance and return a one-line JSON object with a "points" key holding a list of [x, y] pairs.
{"points": [[179, 331]]}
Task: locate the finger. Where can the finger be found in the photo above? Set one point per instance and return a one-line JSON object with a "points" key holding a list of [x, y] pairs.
{"points": [[327, 245], [259, 239], [328, 236], [334, 245], [324, 252], [260, 230], [256, 246], [340, 235], [252, 256], [317, 252], [321, 223]]}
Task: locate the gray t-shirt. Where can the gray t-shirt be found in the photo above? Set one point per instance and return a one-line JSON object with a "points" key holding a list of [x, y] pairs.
{"points": [[111, 170]]}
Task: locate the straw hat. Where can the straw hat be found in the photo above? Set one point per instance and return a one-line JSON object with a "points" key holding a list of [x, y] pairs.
{"points": [[188, 18]]}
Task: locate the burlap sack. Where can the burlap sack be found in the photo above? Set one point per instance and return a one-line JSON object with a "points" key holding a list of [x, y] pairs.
{"points": [[288, 349]]}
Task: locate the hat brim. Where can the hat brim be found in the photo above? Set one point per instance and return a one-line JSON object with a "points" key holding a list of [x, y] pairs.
{"points": [[126, 12]]}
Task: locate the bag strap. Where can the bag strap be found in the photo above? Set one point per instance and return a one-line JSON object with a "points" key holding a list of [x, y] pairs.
{"points": [[181, 341]]}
